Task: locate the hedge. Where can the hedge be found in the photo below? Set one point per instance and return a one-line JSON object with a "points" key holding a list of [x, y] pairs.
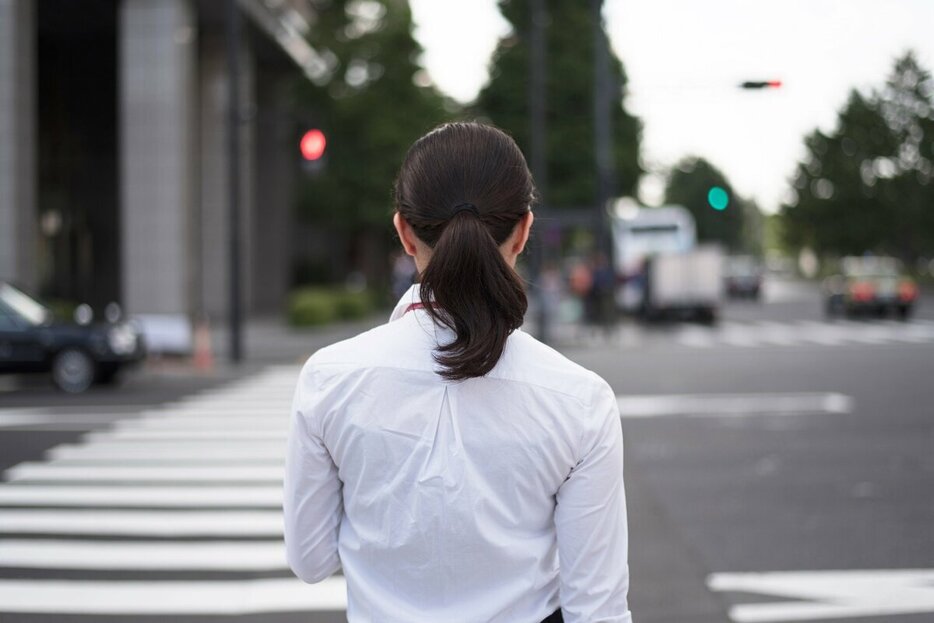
{"points": [[315, 306]]}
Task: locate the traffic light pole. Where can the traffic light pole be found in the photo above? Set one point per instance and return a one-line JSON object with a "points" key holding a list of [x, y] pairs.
{"points": [[233, 178], [538, 155], [604, 99]]}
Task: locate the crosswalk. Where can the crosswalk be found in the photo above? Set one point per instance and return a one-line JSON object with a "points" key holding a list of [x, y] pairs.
{"points": [[173, 513], [766, 333]]}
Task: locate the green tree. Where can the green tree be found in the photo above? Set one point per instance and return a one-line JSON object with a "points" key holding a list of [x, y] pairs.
{"points": [[571, 167], [372, 104], [738, 226], [866, 186]]}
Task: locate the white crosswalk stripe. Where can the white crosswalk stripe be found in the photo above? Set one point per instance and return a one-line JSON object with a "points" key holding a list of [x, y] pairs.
{"points": [[766, 333], [142, 523], [192, 487]]}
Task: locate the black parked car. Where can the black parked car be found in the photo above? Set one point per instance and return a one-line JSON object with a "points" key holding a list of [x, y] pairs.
{"points": [[76, 355]]}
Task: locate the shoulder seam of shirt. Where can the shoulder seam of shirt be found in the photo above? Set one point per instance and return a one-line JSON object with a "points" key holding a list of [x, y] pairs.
{"points": [[351, 364]]}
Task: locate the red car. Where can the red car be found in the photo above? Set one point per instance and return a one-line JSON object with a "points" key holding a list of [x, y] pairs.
{"points": [[870, 286]]}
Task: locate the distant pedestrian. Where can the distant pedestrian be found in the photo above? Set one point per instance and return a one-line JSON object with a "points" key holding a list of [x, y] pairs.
{"points": [[403, 274], [455, 468], [601, 300]]}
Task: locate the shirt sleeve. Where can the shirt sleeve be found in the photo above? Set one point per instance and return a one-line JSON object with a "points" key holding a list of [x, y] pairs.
{"points": [[312, 504], [590, 519]]}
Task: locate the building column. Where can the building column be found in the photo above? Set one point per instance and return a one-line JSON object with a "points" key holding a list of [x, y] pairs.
{"points": [[214, 220], [157, 98], [19, 234]]}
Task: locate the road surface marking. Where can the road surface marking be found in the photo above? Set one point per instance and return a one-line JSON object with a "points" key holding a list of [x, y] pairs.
{"points": [[161, 452], [134, 496], [208, 422], [820, 333], [166, 598], [736, 334], [183, 435], [151, 523], [823, 595], [32, 472], [30, 419], [733, 404], [803, 332], [144, 556], [777, 333]]}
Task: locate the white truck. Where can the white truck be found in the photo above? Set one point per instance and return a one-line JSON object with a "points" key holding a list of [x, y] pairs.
{"points": [[664, 274]]}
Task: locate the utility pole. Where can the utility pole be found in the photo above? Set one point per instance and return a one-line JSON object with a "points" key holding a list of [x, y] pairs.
{"points": [[604, 98], [233, 178], [538, 155]]}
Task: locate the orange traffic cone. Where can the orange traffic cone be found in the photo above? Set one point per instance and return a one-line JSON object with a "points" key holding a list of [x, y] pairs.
{"points": [[203, 355]]}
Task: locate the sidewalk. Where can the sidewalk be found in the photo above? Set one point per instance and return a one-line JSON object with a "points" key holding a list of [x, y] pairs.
{"points": [[271, 340]]}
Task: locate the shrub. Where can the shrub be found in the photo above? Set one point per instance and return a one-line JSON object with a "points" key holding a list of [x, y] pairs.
{"points": [[315, 306]]}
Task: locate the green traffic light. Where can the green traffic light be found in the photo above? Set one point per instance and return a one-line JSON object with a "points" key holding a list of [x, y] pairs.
{"points": [[718, 198]]}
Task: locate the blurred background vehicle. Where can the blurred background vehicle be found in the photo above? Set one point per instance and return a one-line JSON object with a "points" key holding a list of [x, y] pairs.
{"points": [[76, 354], [662, 272], [874, 286], [742, 277]]}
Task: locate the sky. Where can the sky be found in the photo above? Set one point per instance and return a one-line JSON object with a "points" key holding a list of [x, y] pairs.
{"points": [[685, 58]]}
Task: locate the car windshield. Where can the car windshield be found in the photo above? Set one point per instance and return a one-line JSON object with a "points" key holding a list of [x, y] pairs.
{"points": [[870, 267], [23, 305]]}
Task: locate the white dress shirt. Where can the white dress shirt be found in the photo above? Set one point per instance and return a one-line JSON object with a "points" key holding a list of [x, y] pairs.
{"points": [[497, 498]]}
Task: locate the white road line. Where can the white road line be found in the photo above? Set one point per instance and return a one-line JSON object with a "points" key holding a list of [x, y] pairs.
{"points": [[37, 472], [776, 333], [177, 435], [736, 334], [18, 418], [159, 451], [168, 598], [153, 523], [133, 496], [733, 404], [861, 332], [275, 421], [819, 595], [696, 337], [144, 556], [819, 333], [911, 332], [231, 407]]}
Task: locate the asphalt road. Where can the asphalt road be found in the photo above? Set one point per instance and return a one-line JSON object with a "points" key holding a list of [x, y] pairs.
{"points": [[779, 468]]}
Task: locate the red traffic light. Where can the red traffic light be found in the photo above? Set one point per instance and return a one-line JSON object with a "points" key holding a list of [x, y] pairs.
{"points": [[312, 144], [761, 84]]}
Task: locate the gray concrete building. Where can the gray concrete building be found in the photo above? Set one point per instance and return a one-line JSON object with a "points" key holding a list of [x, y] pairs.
{"points": [[114, 150]]}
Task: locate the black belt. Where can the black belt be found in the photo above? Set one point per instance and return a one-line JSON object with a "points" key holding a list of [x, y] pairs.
{"points": [[554, 617]]}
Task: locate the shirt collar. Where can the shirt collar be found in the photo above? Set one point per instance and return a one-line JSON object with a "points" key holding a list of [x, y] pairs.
{"points": [[411, 296]]}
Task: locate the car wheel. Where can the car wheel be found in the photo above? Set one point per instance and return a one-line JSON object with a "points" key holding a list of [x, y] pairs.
{"points": [[73, 370], [903, 312]]}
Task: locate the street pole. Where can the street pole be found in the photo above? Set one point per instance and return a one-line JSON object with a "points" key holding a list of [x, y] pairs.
{"points": [[603, 98], [233, 177], [538, 155]]}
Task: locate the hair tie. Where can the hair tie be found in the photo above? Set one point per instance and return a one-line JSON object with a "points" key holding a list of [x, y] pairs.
{"points": [[465, 206]]}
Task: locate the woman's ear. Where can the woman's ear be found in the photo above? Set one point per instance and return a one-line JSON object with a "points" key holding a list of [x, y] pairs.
{"points": [[406, 235], [521, 233]]}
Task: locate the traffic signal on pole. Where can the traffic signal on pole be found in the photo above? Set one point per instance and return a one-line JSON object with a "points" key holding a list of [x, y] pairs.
{"points": [[761, 84], [718, 198], [312, 145]]}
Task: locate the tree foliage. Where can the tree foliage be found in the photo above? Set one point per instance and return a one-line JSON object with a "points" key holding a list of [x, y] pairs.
{"points": [[571, 167], [372, 105], [867, 185], [738, 227]]}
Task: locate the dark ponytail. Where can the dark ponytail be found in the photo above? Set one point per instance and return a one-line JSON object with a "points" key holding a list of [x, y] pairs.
{"points": [[463, 189]]}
